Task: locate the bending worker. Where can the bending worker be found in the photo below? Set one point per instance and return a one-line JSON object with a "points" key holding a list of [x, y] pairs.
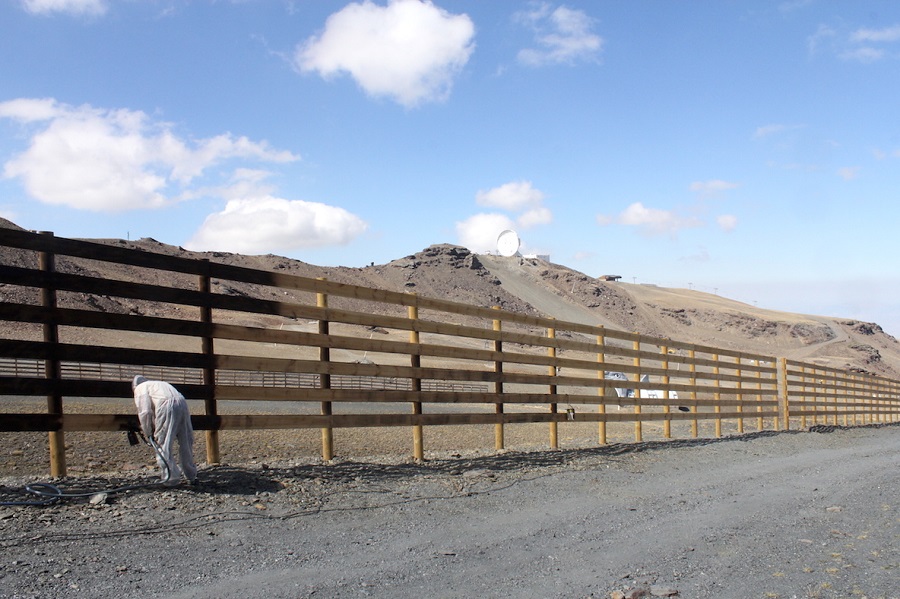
{"points": [[165, 417]]}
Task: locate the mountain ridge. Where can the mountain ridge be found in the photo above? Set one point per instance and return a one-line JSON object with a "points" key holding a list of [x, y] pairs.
{"points": [[535, 286]]}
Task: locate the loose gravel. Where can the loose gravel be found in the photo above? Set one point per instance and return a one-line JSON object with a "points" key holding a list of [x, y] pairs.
{"points": [[811, 514]]}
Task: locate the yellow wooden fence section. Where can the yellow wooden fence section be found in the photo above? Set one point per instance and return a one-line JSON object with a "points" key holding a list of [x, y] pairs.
{"points": [[344, 355]]}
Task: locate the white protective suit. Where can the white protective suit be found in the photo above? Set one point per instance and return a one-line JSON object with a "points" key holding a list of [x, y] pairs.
{"points": [[164, 416]]}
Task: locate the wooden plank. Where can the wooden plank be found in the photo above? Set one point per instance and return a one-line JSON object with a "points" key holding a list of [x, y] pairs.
{"points": [[97, 251], [27, 386], [102, 320], [256, 363], [238, 393], [90, 353], [125, 422]]}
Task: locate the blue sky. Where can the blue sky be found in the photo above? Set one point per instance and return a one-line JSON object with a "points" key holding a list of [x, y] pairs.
{"points": [[749, 149]]}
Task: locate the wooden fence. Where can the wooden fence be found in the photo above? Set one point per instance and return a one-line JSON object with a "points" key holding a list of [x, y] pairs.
{"points": [[247, 335]]}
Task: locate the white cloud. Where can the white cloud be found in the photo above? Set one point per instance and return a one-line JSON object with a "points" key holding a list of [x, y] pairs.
{"points": [[793, 5], [114, 160], [409, 50], [848, 173], [75, 7], [479, 232], [863, 45], [563, 36], [887, 34], [525, 202], [29, 110], [650, 221], [259, 225], [769, 130], [712, 187], [727, 222], [515, 195], [866, 54], [823, 34], [535, 217]]}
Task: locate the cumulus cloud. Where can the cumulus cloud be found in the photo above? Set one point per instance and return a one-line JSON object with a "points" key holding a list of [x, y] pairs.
{"points": [[563, 36], [712, 187], [515, 195], [534, 217], [115, 160], [650, 221], [479, 232], [520, 199], [75, 7], [269, 224], [409, 51]]}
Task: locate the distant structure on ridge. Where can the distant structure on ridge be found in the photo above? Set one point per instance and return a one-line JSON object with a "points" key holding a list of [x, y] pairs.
{"points": [[508, 243]]}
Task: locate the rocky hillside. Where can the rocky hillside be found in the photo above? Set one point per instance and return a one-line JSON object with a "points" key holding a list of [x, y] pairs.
{"points": [[537, 287]]}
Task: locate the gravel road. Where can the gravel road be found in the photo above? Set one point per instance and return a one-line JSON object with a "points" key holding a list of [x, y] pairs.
{"points": [[812, 514]]}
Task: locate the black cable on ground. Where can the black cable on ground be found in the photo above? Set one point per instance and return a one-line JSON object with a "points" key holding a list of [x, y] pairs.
{"points": [[50, 493]]}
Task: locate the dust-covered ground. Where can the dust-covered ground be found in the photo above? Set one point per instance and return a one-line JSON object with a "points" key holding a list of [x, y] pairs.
{"points": [[793, 514]]}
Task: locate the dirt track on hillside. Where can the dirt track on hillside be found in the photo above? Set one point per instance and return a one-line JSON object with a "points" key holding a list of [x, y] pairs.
{"points": [[770, 515]]}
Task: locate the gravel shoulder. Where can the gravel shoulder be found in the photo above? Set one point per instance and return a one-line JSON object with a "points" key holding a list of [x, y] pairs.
{"points": [[794, 514]]}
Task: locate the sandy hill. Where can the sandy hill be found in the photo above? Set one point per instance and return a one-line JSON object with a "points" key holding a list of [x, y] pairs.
{"points": [[538, 287]]}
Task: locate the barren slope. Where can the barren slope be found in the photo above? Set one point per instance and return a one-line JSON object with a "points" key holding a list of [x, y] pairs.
{"points": [[536, 287]]}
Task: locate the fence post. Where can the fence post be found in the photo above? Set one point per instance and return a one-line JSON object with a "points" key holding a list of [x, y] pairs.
{"points": [[760, 422], [52, 371], [325, 378], [785, 396], [415, 360], [717, 396], [638, 430], [601, 409], [739, 395], [667, 409], [213, 456], [695, 423], [498, 385], [551, 370], [802, 400]]}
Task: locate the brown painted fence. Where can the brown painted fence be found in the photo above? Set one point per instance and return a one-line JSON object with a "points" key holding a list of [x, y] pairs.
{"points": [[350, 356]]}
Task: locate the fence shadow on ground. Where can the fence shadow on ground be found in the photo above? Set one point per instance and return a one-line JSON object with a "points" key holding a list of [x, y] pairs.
{"points": [[349, 471]]}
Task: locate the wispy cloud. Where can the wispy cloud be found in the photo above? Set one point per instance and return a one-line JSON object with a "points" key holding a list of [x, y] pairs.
{"points": [[651, 221], [848, 173], [712, 187], [772, 129], [866, 54], [727, 222], [73, 7], [824, 34], [887, 34], [408, 51], [864, 45], [562, 36]]}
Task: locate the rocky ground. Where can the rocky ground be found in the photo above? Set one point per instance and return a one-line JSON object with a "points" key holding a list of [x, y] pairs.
{"points": [[771, 515], [810, 514]]}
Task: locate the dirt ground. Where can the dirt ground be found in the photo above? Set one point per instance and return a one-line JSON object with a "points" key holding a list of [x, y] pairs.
{"points": [[811, 514]]}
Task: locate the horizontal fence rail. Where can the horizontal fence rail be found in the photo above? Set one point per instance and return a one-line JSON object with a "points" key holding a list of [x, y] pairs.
{"points": [[226, 333]]}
